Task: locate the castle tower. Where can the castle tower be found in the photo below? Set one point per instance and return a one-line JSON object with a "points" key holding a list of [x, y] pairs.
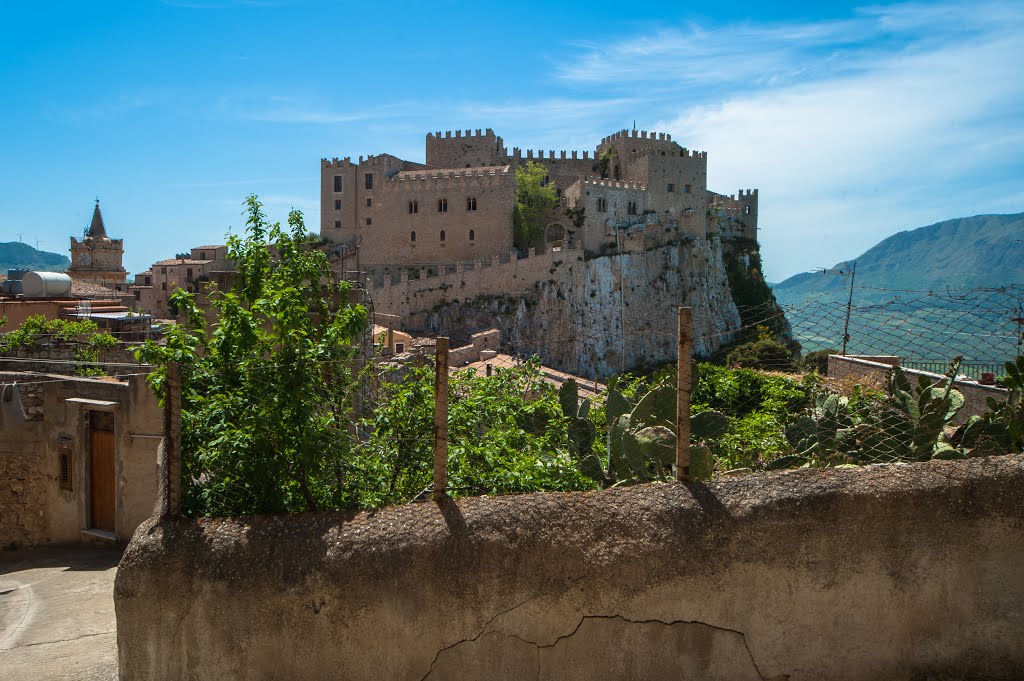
{"points": [[97, 258]]}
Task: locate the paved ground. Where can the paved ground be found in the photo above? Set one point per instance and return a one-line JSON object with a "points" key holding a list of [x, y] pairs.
{"points": [[57, 614]]}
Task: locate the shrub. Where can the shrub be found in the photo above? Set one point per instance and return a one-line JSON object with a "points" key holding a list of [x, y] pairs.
{"points": [[817, 360], [762, 354]]}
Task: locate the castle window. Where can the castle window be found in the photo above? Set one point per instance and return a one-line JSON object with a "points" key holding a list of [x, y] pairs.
{"points": [[163, 285], [149, 281], [442, 236], [602, 204], [399, 348], [471, 203], [337, 204], [671, 188], [686, 189], [369, 180], [337, 183], [617, 174], [472, 235], [188, 275], [631, 207], [163, 269], [369, 221], [138, 296], [412, 236], [442, 205], [369, 203], [202, 255], [414, 207], [746, 211], [337, 224]]}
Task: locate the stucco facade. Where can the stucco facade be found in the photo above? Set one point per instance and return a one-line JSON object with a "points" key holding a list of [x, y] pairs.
{"points": [[50, 477]]}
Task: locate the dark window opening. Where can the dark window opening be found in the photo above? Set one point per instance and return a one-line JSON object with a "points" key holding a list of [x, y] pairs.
{"points": [[671, 187], [399, 348], [369, 221], [65, 466], [414, 207], [602, 205], [747, 211], [686, 189], [631, 207], [202, 255], [617, 174], [442, 236], [369, 203], [412, 236], [188, 275], [163, 286], [442, 205], [472, 235], [137, 296], [369, 180], [337, 204], [337, 183], [471, 203], [337, 224]]}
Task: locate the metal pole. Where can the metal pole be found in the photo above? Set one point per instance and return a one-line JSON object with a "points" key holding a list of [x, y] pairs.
{"points": [[849, 305], [441, 420], [683, 394], [171, 501]]}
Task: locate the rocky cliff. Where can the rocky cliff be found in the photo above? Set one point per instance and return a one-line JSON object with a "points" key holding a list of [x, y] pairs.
{"points": [[601, 315]]}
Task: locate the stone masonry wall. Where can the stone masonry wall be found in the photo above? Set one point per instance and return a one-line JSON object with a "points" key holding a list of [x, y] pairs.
{"points": [[891, 572]]}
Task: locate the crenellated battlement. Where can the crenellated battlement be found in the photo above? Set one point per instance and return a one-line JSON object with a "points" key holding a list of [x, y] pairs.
{"points": [[538, 155], [336, 163], [428, 180], [460, 134], [637, 135]]}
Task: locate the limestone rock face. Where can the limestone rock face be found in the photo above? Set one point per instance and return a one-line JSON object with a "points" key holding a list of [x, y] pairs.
{"points": [[608, 314]]}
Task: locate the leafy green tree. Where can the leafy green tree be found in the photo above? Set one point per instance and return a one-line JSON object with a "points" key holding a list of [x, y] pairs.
{"points": [[267, 395], [82, 335], [535, 197]]}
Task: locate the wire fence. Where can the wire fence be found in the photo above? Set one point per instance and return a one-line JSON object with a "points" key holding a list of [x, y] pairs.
{"points": [[887, 376]]}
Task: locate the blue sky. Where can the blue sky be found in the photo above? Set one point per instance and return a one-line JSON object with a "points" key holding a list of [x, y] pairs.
{"points": [[855, 121]]}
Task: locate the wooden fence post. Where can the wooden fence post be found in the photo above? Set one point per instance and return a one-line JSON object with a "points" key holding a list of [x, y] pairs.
{"points": [[441, 419], [683, 394], [171, 498]]}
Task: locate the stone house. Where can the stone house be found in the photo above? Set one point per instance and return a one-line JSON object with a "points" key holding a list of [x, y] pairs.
{"points": [[77, 458], [153, 288]]}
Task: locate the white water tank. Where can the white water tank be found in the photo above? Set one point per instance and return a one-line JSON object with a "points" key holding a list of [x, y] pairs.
{"points": [[45, 284]]}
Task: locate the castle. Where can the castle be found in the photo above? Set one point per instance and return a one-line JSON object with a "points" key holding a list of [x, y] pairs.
{"points": [[458, 206], [635, 234]]}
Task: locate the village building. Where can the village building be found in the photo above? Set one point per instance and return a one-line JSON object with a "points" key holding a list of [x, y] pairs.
{"points": [[153, 288]]}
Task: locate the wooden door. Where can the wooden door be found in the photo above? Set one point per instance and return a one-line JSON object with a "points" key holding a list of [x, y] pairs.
{"points": [[101, 474]]}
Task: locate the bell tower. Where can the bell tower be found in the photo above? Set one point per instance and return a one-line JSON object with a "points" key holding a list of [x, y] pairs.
{"points": [[97, 258]]}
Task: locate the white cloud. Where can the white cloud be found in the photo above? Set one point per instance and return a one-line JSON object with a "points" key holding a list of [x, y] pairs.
{"points": [[896, 118]]}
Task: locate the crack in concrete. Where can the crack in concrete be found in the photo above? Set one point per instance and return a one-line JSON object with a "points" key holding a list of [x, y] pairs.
{"points": [[64, 640], [579, 624], [482, 632]]}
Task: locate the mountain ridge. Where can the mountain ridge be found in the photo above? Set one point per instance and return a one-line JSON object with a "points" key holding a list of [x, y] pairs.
{"points": [[981, 251], [15, 255]]}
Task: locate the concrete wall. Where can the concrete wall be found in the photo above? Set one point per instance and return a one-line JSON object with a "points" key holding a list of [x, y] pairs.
{"points": [[874, 373], [34, 509], [884, 572]]}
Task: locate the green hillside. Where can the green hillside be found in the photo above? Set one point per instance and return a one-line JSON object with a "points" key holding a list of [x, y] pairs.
{"points": [[15, 255], [927, 295], [981, 251]]}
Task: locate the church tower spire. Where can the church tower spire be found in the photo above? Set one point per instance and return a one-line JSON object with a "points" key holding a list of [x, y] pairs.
{"points": [[96, 229]]}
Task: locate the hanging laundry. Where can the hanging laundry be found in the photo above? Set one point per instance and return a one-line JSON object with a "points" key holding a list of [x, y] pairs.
{"points": [[12, 412]]}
